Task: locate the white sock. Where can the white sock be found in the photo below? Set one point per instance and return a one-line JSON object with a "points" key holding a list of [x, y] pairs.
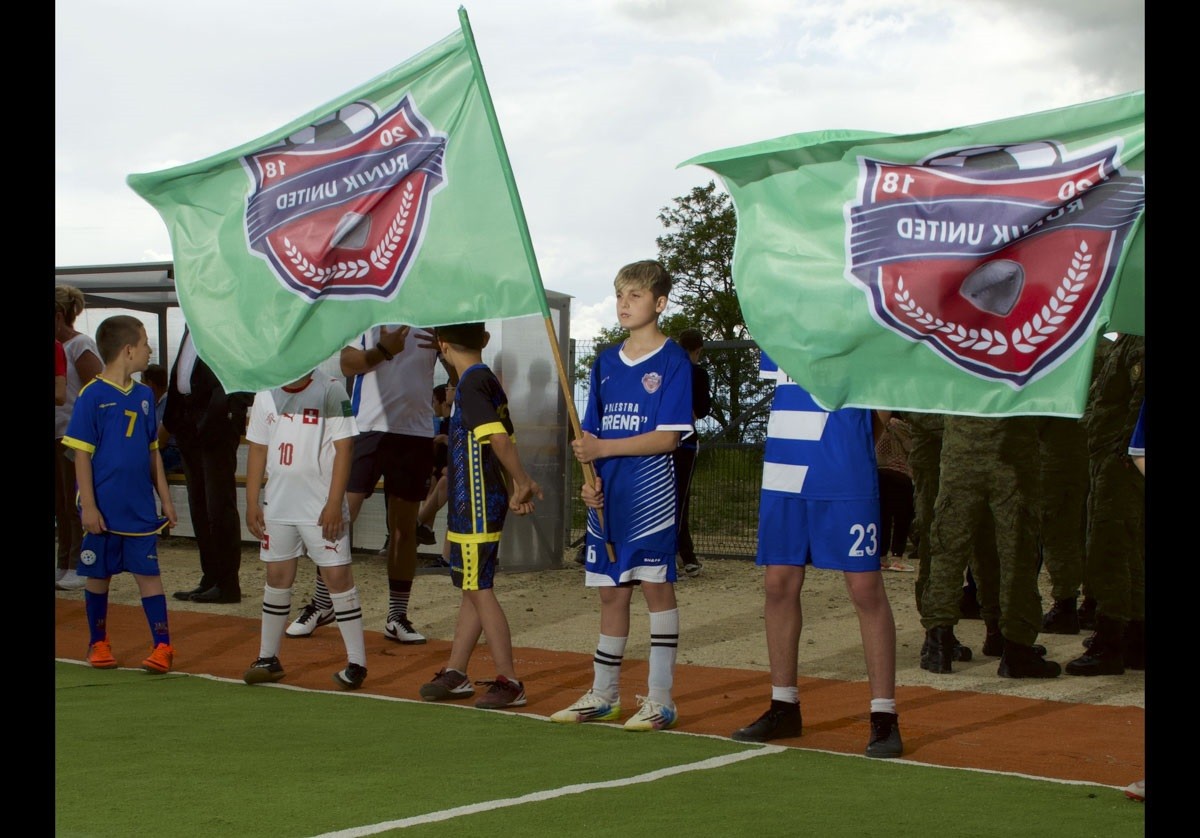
{"points": [[883, 705], [348, 611], [606, 667], [664, 645], [789, 694], [276, 607]]}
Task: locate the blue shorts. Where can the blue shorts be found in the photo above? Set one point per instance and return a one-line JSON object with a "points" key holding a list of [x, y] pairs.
{"points": [[108, 554], [829, 534], [473, 564], [632, 565]]}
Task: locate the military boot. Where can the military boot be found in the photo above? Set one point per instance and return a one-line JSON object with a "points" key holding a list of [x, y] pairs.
{"points": [[1062, 618], [1106, 653], [1135, 645], [1087, 614], [941, 648], [1021, 661], [993, 641]]}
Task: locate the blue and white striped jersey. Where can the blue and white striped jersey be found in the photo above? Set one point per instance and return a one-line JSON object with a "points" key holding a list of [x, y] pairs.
{"points": [[814, 453]]}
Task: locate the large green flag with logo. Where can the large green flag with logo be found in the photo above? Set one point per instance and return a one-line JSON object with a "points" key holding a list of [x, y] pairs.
{"points": [[966, 271], [394, 203]]}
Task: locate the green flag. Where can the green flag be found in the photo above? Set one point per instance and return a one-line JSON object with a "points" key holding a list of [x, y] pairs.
{"points": [[964, 271], [394, 203]]}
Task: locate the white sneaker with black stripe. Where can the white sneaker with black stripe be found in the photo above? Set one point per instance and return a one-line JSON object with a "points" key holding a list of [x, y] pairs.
{"points": [[309, 620], [402, 631]]}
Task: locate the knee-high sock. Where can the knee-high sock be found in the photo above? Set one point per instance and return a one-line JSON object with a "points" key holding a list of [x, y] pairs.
{"points": [[321, 595], [350, 623], [156, 615], [399, 591], [664, 644], [276, 607], [606, 667], [96, 607]]}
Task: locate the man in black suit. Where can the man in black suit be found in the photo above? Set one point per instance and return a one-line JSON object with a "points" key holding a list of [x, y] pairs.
{"points": [[208, 425]]}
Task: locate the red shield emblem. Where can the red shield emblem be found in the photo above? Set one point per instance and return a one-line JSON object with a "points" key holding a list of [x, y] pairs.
{"points": [[996, 257], [338, 210]]}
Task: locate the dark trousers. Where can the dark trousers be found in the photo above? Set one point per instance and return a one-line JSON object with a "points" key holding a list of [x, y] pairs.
{"points": [[66, 516], [211, 473], [895, 510], [685, 464]]}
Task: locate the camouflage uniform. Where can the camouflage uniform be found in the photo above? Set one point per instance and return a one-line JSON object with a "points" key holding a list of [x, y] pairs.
{"points": [[924, 458], [1063, 450], [988, 488], [1114, 571]]}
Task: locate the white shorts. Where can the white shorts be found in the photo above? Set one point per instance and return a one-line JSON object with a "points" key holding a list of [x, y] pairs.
{"points": [[290, 541]]}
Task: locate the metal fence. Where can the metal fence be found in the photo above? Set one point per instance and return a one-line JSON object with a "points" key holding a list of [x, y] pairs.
{"points": [[728, 476]]}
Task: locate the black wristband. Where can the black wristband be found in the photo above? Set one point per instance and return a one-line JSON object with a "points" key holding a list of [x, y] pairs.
{"points": [[387, 356]]}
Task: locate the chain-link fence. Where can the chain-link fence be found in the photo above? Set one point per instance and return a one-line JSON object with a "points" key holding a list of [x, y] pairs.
{"points": [[725, 485]]}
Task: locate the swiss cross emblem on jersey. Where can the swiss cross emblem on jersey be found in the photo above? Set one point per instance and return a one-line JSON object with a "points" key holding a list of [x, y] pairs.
{"points": [[311, 415], [996, 257], [339, 209]]}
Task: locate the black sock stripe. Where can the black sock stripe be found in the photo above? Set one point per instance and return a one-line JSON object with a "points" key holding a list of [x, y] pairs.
{"points": [[277, 610], [344, 616]]}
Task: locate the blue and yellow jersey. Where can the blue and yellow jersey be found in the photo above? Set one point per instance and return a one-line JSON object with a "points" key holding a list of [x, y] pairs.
{"points": [[118, 429], [476, 488]]}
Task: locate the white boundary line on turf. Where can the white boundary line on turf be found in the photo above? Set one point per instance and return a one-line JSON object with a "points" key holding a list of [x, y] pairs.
{"points": [[538, 796], [615, 726]]}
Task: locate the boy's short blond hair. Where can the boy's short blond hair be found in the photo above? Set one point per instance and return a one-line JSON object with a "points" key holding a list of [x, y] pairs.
{"points": [[649, 273]]}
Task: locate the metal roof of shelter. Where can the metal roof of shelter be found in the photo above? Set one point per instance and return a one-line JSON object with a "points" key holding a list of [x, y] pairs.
{"points": [[143, 286], [140, 286]]}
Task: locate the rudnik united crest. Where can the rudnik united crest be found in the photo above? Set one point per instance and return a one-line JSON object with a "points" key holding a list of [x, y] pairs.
{"points": [[998, 258], [339, 210]]}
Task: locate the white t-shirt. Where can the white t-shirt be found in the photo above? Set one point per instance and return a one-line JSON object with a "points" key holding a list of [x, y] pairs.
{"points": [[396, 396], [299, 428], [75, 347]]}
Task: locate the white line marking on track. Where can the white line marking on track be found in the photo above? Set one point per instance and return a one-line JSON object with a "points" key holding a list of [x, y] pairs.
{"points": [[550, 794]]}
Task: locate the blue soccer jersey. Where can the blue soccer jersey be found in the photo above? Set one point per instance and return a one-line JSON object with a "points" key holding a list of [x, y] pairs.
{"points": [[119, 429], [1137, 443], [628, 398], [814, 453], [477, 499]]}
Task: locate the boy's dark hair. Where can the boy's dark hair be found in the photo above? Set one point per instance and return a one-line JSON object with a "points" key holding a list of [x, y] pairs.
{"points": [[117, 332], [464, 335], [690, 339], [648, 273], [439, 392], [156, 375]]}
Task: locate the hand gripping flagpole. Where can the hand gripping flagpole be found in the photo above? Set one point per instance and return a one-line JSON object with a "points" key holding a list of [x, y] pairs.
{"points": [[589, 474]]}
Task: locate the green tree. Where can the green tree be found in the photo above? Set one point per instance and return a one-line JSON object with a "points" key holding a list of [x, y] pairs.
{"points": [[697, 250]]}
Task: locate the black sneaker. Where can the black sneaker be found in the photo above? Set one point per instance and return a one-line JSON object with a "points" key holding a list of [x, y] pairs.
{"points": [[263, 671], [350, 678], [782, 720], [885, 736], [425, 535]]}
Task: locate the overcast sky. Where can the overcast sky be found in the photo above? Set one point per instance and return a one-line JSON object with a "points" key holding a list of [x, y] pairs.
{"points": [[598, 100]]}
